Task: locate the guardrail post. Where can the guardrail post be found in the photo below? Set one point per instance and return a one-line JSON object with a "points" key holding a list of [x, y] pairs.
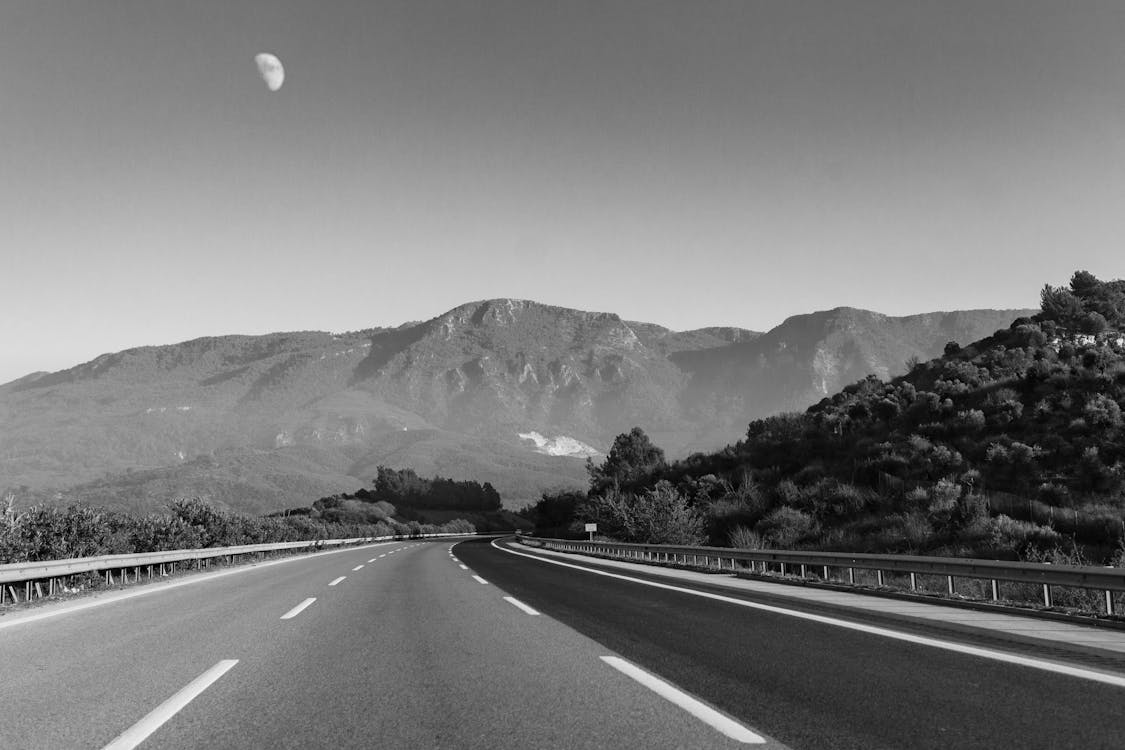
{"points": [[913, 581], [949, 585], [783, 569], [1109, 603], [851, 575], [804, 572], [996, 590], [1047, 595], [879, 577], [826, 576]]}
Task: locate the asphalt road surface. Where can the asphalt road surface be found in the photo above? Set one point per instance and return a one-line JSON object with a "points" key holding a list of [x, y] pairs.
{"points": [[408, 651], [463, 645]]}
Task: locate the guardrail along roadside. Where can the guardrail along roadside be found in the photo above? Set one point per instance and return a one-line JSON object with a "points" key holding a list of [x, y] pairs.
{"points": [[961, 575], [43, 578]]}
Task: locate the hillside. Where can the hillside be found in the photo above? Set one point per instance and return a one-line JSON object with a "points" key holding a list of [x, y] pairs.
{"points": [[498, 390], [1010, 444], [810, 356]]}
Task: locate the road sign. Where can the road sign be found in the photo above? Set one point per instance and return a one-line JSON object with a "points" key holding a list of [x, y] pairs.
{"points": [[591, 527]]}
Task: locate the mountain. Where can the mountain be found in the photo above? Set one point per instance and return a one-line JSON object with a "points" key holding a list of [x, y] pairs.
{"points": [[810, 356], [511, 392]]}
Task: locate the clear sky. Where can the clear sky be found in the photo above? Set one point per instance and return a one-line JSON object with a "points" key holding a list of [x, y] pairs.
{"points": [[686, 163]]}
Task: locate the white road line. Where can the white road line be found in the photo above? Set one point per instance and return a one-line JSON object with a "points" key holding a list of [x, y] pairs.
{"points": [[372, 559], [298, 609], [462, 567], [358, 567], [718, 721], [140, 731], [984, 653], [156, 588], [479, 579], [516, 602], [337, 580]]}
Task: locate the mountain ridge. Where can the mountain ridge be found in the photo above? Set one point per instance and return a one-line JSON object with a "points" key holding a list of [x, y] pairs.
{"points": [[432, 395]]}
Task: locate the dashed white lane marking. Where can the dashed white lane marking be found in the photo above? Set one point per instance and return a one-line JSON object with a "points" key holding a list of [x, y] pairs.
{"points": [[298, 609], [372, 559], [719, 721], [479, 579], [159, 588], [140, 731], [383, 555], [462, 567], [984, 653], [337, 580], [514, 601], [358, 567]]}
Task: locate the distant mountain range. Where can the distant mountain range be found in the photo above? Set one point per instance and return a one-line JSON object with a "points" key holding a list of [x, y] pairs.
{"points": [[511, 392]]}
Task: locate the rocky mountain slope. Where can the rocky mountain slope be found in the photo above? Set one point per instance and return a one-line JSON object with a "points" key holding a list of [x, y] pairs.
{"points": [[507, 391]]}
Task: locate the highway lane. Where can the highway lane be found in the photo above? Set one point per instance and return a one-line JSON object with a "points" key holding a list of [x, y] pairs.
{"points": [[812, 685], [409, 650]]}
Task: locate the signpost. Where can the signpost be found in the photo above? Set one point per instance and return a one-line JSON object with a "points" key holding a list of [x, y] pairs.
{"points": [[591, 527]]}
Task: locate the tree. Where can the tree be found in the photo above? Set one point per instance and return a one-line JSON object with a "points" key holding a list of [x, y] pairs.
{"points": [[631, 461]]}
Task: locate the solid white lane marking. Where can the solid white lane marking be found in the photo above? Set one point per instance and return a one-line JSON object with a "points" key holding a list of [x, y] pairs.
{"points": [[479, 579], [718, 721], [513, 600], [337, 580], [984, 653], [298, 609], [462, 567], [358, 567], [140, 731]]}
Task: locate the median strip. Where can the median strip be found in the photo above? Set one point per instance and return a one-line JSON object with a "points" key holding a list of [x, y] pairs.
{"points": [[716, 720], [140, 731], [298, 609], [337, 580], [520, 605]]}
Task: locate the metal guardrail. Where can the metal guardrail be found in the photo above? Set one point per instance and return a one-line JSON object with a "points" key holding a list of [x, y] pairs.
{"points": [[1105, 579], [32, 574]]}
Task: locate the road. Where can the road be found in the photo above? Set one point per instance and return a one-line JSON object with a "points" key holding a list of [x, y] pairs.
{"points": [[438, 645], [408, 651]]}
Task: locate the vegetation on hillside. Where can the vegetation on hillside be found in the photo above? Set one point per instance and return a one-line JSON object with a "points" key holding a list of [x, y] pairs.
{"points": [[403, 493], [1011, 446]]}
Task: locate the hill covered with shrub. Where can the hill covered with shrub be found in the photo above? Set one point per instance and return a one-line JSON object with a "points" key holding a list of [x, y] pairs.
{"points": [[1011, 445]]}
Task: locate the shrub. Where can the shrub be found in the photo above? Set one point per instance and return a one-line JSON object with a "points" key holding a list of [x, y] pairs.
{"points": [[784, 527], [1021, 537], [741, 537]]}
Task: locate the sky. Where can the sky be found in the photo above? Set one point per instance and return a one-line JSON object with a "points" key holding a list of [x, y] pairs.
{"points": [[687, 163]]}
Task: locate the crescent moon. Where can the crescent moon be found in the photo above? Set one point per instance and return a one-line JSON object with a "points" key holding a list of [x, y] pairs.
{"points": [[270, 69]]}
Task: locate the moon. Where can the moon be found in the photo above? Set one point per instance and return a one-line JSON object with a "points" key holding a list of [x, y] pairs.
{"points": [[269, 67]]}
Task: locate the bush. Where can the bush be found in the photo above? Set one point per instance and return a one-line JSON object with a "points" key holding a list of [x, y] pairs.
{"points": [[741, 537], [657, 516], [784, 527], [1021, 537]]}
